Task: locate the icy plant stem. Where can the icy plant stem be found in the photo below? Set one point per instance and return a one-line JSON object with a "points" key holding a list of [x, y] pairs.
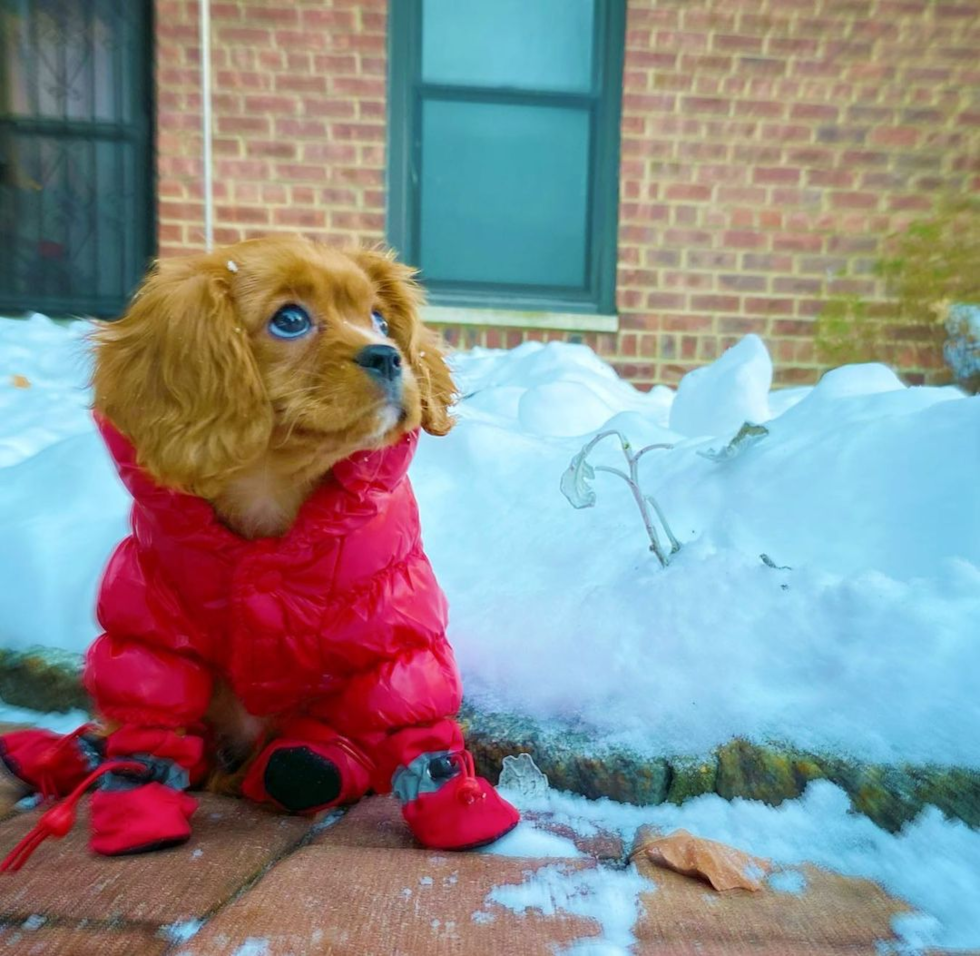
{"points": [[633, 480]]}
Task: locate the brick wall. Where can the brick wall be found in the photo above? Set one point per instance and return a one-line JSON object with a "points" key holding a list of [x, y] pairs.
{"points": [[768, 148], [299, 120]]}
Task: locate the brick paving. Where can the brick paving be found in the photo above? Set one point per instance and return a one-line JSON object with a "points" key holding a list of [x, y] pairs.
{"points": [[253, 883]]}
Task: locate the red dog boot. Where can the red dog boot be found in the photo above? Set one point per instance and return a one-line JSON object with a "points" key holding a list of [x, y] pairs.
{"points": [[47, 763], [149, 816], [448, 807], [140, 808], [302, 776]]}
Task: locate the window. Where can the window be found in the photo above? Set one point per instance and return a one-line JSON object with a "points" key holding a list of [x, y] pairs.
{"points": [[504, 149]]}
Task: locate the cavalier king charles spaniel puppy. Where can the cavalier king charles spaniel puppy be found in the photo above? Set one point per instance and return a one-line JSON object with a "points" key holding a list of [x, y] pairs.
{"points": [[272, 623]]}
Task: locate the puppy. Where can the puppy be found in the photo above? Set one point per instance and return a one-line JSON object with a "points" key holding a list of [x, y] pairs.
{"points": [[274, 605]]}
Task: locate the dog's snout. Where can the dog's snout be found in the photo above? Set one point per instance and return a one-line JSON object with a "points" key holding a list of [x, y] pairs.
{"points": [[382, 361]]}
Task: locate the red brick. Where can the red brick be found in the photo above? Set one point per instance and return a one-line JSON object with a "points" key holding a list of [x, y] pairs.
{"points": [[243, 124], [743, 239], [704, 104], [255, 215], [776, 174], [830, 177], [301, 218], [771, 109], [301, 84], [895, 136], [741, 282], [813, 111], [854, 200], [287, 105], [738, 325], [741, 194], [688, 191], [739, 44], [288, 126], [300, 40], [249, 36], [766, 306], [715, 303]]}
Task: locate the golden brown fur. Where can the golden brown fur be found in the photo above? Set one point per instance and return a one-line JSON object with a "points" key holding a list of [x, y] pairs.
{"points": [[219, 408]]}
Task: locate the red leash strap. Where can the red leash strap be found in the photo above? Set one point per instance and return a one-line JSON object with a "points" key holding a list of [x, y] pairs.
{"points": [[59, 820]]}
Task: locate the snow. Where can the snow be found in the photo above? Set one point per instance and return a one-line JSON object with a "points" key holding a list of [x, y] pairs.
{"points": [[931, 863], [526, 840], [719, 397], [863, 488], [59, 723], [610, 897], [253, 946], [183, 931]]}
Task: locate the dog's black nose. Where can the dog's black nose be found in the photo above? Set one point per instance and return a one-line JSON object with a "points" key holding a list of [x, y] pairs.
{"points": [[382, 361]]}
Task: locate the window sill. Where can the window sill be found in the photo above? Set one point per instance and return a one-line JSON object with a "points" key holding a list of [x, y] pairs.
{"points": [[515, 319]]}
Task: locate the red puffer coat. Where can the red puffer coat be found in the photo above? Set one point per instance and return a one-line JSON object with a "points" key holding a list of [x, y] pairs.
{"points": [[340, 619]]}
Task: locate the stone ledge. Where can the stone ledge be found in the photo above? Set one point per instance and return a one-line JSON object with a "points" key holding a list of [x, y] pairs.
{"points": [[890, 795]]}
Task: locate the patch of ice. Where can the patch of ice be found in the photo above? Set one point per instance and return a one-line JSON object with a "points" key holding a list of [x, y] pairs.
{"points": [[253, 946], [526, 840], [183, 931], [610, 897], [788, 881], [34, 921]]}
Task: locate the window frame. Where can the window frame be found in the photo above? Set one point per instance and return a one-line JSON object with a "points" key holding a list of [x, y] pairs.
{"points": [[406, 94]]}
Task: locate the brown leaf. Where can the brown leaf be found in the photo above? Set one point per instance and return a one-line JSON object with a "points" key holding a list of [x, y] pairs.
{"points": [[20, 381], [724, 867]]}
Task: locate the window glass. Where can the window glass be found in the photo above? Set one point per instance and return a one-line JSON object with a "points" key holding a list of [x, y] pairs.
{"points": [[527, 44], [504, 193]]}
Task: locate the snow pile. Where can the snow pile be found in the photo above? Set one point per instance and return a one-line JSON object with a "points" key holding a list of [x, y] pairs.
{"points": [[858, 636], [865, 489]]}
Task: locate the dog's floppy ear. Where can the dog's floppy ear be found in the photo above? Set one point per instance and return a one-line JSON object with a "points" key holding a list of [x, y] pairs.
{"points": [[424, 349], [176, 376]]}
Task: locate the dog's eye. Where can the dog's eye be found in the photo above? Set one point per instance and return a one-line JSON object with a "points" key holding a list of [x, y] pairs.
{"points": [[290, 322], [379, 323]]}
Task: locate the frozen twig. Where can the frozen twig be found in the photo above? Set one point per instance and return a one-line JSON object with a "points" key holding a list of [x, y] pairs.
{"points": [[576, 488]]}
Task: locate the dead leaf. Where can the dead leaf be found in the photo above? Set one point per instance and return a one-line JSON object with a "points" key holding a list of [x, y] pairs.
{"points": [[724, 867], [20, 381]]}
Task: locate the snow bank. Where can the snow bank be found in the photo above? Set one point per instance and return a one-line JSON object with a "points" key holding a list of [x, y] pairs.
{"points": [[62, 507], [864, 489]]}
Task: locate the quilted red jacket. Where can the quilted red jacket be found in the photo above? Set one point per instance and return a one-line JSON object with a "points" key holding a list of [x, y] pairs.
{"points": [[342, 612]]}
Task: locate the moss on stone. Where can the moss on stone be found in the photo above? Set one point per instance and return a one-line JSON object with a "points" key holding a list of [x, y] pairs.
{"points": [[691, 778], [756, 773], [956, 792], [46, 680], [42, 679]]}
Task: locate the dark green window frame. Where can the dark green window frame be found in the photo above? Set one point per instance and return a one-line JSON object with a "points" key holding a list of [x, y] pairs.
{"points": [[406, 94]]}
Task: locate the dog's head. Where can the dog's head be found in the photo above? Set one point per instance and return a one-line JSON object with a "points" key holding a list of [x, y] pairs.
{"points": [[271, 344]]}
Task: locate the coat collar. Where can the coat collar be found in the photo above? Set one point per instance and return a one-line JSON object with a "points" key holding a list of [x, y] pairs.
{"points": [[351, 493]]}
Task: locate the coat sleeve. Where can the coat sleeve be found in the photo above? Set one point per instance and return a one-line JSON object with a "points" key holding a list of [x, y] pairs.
{"points": [[418, 686], [143, 674], [136, 683]]}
